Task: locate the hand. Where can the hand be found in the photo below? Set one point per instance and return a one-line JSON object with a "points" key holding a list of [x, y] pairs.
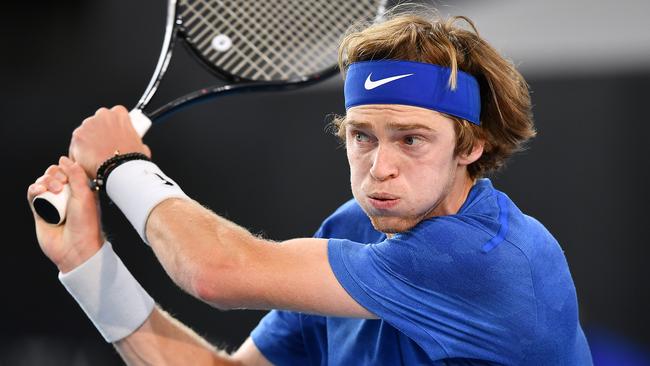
{"points": [[72, 243], [99, 137]]}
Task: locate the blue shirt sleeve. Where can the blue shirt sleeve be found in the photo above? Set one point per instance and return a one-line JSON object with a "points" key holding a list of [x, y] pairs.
{"points": [[292, 338], [436, 285], [278, 336]]}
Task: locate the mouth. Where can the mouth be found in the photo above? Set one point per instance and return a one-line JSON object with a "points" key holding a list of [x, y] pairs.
{"points": [[383, 201]]}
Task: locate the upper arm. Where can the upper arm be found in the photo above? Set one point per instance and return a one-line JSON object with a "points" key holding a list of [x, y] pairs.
{"points": [[291, 275], [224, 265]]}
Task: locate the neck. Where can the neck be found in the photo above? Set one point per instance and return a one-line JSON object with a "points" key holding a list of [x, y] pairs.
{"points": [[456, 197]]}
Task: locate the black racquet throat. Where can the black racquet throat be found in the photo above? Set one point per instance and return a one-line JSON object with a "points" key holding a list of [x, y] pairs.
{"points": [[251, 46]]}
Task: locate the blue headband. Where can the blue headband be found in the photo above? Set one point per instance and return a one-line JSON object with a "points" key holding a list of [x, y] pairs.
{"points": [[412, 83]]}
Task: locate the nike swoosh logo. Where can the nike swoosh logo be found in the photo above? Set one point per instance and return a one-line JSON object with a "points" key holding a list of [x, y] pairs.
{"points": [[164, 180], [369, 84]]}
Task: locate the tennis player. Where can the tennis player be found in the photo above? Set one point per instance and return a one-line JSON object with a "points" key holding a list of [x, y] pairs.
{"points": [[428, 264]]}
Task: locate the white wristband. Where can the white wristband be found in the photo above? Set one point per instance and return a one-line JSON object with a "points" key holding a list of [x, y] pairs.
{"points": [[136, 187], [109, 295]]}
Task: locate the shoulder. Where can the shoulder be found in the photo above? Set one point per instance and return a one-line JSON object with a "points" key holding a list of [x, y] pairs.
{"points": [[436, 284]]}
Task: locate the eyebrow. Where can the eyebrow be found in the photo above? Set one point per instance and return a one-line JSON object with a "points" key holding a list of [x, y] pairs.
{"points": [[408, 126], [391, 125], [357, 124]]}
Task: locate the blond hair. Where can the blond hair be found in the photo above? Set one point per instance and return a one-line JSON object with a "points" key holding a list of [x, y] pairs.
{"points": [[506, 118]]}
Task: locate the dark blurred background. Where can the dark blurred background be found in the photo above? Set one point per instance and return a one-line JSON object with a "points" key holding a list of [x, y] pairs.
{"points": [[266, 161]]}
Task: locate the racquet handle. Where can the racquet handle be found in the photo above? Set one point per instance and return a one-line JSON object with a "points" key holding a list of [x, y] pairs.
{"points": [[52, 207]]}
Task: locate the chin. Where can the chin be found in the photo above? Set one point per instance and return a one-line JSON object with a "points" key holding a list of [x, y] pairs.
{"points": [[393, 225]]}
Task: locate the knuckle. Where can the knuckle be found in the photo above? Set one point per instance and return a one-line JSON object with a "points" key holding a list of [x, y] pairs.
{"points": [[119, 109], [52, 169], [76, 134], [43, 180], [31, 192]]}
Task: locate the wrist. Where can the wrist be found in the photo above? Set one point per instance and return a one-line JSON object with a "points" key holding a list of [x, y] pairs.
{"points": [[137, 187], [104, 170], [75, 258], [109, 295]]}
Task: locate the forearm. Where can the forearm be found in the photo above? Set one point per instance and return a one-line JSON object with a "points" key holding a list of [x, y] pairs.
{"points": [[198, 249], [204, 254], [162, 340]]}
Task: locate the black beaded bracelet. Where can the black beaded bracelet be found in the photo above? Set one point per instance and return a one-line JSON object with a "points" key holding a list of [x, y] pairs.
{"points": [[110, 164]]}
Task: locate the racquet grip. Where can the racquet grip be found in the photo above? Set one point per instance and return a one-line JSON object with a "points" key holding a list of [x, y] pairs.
{"points": [[52, 207]]}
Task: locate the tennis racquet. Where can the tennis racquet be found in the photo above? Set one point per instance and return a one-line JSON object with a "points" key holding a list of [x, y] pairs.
{"points": [[251, 46]]}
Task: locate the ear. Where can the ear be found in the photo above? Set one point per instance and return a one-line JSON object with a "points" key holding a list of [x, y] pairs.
{"points": [[472, 156]]}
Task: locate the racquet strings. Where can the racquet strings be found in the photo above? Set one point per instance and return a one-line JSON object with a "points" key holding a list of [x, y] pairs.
{"points": [[281, 40]]}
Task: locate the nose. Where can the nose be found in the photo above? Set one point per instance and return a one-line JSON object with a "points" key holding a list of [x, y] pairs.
{"points": [[384, 164]]}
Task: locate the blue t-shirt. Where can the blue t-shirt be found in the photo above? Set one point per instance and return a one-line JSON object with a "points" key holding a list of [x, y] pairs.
{"points": [[488, 285]]}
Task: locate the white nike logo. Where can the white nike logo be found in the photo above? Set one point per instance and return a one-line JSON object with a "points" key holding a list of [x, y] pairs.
{"points": [[369, 84]]}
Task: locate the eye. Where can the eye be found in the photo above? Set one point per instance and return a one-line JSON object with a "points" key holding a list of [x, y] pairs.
{"points": [[360, 136], [411, 140]]}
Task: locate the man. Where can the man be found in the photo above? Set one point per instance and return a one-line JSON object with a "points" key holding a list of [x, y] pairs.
{"points": [[428, 264]]}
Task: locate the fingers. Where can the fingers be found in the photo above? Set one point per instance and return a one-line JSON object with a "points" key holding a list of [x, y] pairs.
{"points": [[120, 110], [56, 176], [34, 190], [101, 111], [56, 173], [124, 118], [76, 176], [116, 116], [52, 180], [117, 112]]}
